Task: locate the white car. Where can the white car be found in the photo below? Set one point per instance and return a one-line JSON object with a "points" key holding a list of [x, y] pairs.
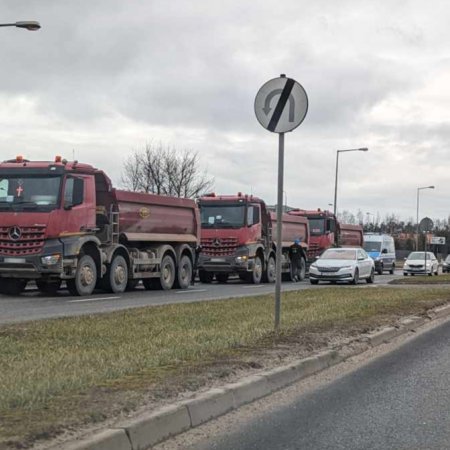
{"points": [[342, 264], [415, 263]]}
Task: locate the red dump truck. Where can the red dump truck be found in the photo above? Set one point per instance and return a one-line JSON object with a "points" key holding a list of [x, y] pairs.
{"points": [[238, 237], [64, 221], [326, 231]]}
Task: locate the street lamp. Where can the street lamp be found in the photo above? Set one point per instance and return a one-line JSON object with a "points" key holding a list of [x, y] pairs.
{"points": [[363, 149], [30, 25], [417, 217]]}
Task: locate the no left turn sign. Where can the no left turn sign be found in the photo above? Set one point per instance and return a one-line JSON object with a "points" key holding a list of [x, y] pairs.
{"points": [[281, 105]]}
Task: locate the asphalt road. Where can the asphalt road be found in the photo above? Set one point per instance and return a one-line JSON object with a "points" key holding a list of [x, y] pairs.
{"points": [[32, 305], [399, 401]]}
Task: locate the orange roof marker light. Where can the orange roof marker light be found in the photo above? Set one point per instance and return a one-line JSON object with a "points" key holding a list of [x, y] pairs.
{"points": [[58, 159], [19, 158]]}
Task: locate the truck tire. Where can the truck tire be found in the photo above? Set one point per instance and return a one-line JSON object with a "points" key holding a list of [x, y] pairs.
{"points": [[270, 273], [184, 273], [256, 274], [205, 277], [116, 277], [12, 286], [85, 277], [167, 278], [222, 277], [48, 287]]}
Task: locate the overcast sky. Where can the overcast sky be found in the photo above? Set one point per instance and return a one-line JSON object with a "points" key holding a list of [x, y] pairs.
{"points": [[104, 77]]}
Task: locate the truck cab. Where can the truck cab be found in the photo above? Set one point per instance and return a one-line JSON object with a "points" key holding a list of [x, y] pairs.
{"points": [[235, 234]]}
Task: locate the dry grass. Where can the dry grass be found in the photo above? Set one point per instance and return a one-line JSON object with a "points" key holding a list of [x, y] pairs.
{"points": [[423, 279], [65, 372]]}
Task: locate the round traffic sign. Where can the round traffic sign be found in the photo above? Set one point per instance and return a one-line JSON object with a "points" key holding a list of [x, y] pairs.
{"points": [[281, 105], [426, 224]]}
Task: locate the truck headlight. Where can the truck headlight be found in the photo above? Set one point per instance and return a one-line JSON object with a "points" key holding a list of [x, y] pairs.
{"points": [[241, 259], [50, 260]]}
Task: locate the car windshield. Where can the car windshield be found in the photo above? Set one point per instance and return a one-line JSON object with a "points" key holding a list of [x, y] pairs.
{"points": [[316, 227], [339, 253], [31, 193], [420, 255], [223, 216], [370, 246]]}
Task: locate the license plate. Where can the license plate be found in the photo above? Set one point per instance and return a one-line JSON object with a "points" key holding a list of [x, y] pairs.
{"points": [[217, 260], [14, 260]]}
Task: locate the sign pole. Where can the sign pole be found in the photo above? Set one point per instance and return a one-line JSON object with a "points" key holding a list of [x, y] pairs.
{"points": [[279, 229], [281, 105]]}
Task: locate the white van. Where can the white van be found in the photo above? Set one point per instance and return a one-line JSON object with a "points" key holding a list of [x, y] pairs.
{"points": [[381, 249]]}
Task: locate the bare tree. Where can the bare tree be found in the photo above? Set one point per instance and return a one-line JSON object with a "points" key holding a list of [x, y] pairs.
{"points": [[164, 170]]}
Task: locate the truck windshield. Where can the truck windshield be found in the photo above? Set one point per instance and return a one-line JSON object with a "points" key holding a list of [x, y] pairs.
{"points": [[316, 227], [30, 193], [223, 216], [372, 246]]}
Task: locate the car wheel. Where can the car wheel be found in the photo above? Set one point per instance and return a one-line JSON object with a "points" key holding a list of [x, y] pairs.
{"points": [[314, 281], [371, 278], [380, 270], [392, 269], [405, 274], [355, 277]]}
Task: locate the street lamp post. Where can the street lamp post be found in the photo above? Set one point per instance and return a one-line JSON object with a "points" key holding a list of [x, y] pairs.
{"points": [[417, 217], [363, 149], [30, 25]]}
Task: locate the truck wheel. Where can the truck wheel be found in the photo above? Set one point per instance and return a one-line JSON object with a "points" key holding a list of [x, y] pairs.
{"points": [[205, 277], [48, 287], [222, 277], [167, 277], [85, 277], [271, 270], [11, 286], [116, 276], [184, 273], [256, 275]]}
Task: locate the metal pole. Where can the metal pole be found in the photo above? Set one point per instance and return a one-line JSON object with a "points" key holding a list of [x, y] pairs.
{"points": [[279, 228], [335, 183], [417, 222]]}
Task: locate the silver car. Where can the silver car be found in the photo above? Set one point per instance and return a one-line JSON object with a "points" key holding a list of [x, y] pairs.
{"points": [[415, 263], [342, 264]]}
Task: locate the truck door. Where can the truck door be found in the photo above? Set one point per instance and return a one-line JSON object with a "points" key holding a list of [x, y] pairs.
{"points": [[78, 205]]}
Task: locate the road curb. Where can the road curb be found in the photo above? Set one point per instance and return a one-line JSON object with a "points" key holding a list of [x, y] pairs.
{"points": [[168, 421]]}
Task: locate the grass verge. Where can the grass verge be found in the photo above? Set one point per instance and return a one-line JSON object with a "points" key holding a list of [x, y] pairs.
{"points": [[63, 373], [423, 279]]}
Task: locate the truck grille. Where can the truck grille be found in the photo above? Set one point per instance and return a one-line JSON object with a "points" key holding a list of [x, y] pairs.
{"points": [[219, 246], [30, 242]]}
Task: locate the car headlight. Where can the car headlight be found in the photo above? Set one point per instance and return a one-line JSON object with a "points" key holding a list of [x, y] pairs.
{"points": [[428, 264], [346, 268], [50, 260], [406, 265]]}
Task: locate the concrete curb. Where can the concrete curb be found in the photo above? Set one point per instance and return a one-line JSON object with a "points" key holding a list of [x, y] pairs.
{"points": [[169, 421]]}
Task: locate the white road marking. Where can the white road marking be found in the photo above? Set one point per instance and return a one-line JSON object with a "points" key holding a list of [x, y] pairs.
{"points": [[257, 286], [96, 299], [188, 291]]}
